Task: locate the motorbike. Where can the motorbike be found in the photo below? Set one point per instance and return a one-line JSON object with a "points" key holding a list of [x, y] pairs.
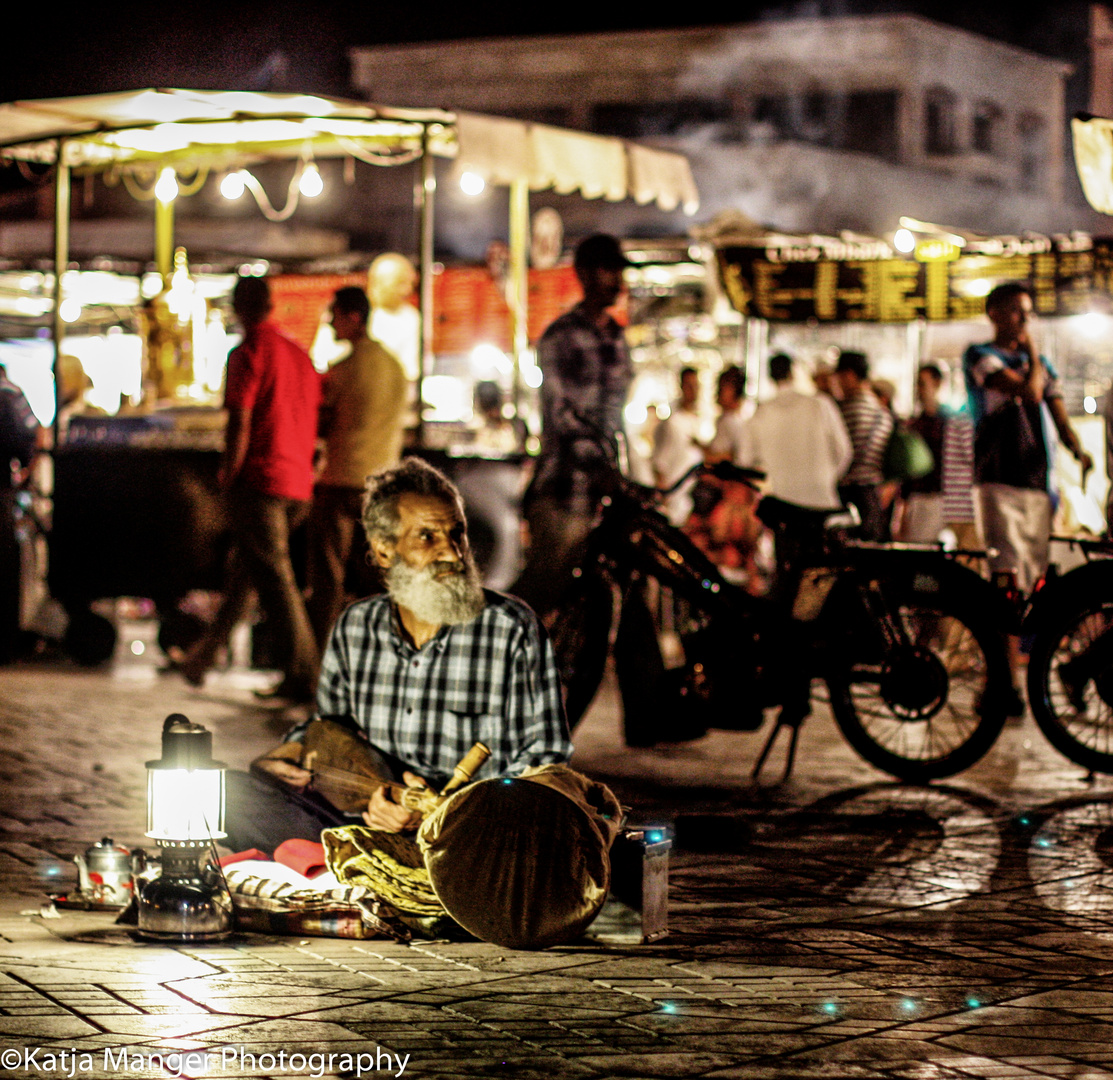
{"points": [[1069, 621], [906, 639]]}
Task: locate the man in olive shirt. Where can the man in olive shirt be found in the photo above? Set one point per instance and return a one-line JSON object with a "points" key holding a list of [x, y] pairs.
{"points": [[362, 414]]}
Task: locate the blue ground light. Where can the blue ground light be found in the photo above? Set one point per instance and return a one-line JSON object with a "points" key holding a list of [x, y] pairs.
{"points": [[668, 1007], [973, 1003], [908, 1005], [831, 1008]]}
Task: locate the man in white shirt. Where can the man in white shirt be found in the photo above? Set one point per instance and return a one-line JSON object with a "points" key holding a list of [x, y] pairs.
{"points": [[676, 448], [800, 442], [730, 442]]}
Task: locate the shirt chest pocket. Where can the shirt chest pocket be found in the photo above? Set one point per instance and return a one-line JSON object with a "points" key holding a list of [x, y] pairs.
{"points": [[470, 728]]}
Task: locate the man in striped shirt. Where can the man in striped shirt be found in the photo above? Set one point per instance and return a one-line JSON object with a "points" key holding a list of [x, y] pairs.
{"points": [[424, 671], [870, 426]]}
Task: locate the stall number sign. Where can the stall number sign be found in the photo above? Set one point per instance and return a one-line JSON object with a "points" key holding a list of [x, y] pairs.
{"points": [[868, 283]]}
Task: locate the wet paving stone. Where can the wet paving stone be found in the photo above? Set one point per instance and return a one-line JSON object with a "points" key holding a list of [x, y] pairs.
{"points": [[839, 925]]}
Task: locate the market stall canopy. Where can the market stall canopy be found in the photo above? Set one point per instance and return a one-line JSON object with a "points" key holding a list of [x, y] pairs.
{"points": [[1093, 158], [502, 151], [230, 129]]}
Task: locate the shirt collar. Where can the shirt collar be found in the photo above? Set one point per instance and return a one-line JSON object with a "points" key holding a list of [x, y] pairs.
{"points": [[402, 643]]}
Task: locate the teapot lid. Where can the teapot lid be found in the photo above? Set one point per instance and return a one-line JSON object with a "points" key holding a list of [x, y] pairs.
{"points": [[108, 844]]}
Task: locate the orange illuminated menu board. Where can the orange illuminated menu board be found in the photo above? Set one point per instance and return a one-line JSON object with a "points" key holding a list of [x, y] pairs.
{"points": [[469, 305], [836, 281]]}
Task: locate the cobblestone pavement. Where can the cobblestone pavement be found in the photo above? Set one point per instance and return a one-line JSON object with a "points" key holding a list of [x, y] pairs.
{"points": [[834, 926]]}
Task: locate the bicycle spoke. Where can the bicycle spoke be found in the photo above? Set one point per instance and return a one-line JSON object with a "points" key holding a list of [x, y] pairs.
{"points": [[955, 720]]}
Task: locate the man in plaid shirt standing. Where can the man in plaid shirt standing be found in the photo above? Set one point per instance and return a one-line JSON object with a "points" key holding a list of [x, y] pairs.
{"points": [[425, 670]]}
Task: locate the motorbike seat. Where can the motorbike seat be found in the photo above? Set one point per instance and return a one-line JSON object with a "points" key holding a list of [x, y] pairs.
{"points": [[779, 515]]}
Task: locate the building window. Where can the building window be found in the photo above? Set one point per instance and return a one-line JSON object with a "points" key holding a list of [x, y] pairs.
{"points": [[871, 124], [1032, 130], [639, 120], [985, 133], [939, 121]]}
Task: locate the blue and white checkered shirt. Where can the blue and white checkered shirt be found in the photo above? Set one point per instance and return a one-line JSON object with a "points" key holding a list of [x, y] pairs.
{"points": [[492, 680]]}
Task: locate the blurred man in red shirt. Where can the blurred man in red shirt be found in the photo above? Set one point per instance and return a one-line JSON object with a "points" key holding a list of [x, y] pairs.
{"points": [[272, 397]]}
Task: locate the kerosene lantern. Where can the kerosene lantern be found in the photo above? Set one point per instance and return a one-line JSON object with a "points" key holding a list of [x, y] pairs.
{"points": [[189, 900]]}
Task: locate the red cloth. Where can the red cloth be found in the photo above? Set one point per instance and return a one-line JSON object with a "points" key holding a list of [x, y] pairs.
{"points": [[305, 856], [274, 379], [243, 856]]}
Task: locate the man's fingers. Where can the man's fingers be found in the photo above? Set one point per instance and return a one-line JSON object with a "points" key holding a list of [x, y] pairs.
{"points": [[413, 780], [388, 816]]}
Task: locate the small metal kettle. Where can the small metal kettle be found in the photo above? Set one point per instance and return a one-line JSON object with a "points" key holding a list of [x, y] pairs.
{"points": [[104, 873]]}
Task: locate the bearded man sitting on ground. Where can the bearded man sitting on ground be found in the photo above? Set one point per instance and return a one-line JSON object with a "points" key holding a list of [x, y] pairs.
{"points": [[423, 671]]}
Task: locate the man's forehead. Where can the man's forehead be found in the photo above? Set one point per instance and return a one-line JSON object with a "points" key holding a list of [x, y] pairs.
{"points": [[416, 510]]}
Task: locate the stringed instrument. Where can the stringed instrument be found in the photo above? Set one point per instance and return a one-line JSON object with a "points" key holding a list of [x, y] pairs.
{"points": [[347, 772]]}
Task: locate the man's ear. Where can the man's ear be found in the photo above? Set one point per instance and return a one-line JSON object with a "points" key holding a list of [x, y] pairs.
{"points": [[382, 553]]}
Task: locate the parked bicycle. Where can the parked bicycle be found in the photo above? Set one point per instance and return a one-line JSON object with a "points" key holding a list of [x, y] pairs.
{"points": [[906, 638], [1070, 665]]}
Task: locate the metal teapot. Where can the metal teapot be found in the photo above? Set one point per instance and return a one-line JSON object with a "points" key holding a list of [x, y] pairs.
{"points": [[104, 873]]}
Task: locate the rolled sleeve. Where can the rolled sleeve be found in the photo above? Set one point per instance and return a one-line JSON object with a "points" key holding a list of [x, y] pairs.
{"points": [[242, 385], [985, 366]]}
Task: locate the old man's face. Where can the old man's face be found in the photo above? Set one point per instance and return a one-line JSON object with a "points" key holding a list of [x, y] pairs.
{"points": [[429, 568]]}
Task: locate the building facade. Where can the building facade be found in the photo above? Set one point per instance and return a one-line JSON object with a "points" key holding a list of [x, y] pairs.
{"points": [[814, 125]]}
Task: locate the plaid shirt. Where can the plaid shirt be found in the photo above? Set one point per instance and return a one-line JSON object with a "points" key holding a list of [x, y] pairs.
{"points": [[586, 369], [492, 680]]}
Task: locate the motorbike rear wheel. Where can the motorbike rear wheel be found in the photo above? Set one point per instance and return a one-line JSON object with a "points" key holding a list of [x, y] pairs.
{"points": [[1074, 710], [929, 708], [580, 631]]}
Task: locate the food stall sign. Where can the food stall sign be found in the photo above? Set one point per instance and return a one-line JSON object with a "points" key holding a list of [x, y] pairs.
{"points": [[809, 280], [932, 249]]}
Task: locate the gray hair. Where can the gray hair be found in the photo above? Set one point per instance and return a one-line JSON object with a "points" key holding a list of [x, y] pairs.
{"points": [[412, 477]]}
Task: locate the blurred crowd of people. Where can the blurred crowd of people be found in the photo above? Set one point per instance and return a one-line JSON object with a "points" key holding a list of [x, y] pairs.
{"points": [[973, 472]]}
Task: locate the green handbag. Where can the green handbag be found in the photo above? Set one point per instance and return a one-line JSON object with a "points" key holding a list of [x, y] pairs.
{"points": [[907, 456]]}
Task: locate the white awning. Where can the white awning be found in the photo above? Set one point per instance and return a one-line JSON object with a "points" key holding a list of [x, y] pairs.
{"points": [[502, 151], [213, 128], [1093, 158], [228, 129]]}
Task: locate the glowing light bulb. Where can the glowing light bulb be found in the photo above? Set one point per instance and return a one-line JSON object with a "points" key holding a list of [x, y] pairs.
{"points": [[166, 190], [232, 186], [70, 310], [472, 183], [904, 241], [311, 185], [1090, 404]]}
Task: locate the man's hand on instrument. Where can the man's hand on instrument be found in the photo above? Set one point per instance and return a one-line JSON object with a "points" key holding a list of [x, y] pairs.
{"points": [[286, 762], [384, 814], [287, 772]]}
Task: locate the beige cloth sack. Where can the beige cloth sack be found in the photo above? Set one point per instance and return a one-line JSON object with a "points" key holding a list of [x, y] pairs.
{"points": [[523, 862]]}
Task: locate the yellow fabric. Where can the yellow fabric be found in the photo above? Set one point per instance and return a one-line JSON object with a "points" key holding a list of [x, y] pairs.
{"points": [[523, 863], [388, 864]]}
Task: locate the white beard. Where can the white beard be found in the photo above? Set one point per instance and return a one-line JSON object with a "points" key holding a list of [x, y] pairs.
{"points": [[448, 600]]}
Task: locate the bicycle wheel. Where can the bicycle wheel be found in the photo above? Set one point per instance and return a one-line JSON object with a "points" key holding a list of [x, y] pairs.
{"points": [[929, 708], [1072, 705]]}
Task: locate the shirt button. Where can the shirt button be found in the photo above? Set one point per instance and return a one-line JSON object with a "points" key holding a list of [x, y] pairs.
{"points": [[409, 710], [417, 663]]}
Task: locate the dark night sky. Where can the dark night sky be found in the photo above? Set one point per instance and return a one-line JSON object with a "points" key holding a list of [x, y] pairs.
{"points": [[302, 46]]}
